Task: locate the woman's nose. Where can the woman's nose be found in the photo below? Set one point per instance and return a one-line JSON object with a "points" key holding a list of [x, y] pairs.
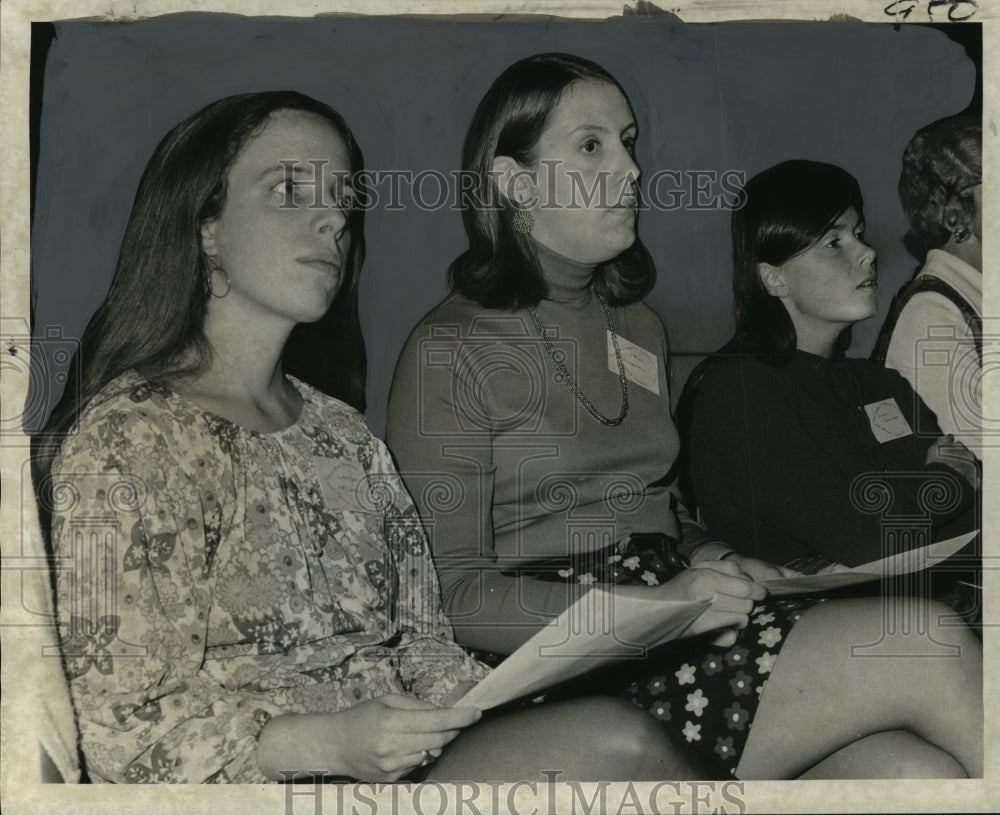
{"points": [[630, 175], [333, 218], [868, 253], [630, 166]]}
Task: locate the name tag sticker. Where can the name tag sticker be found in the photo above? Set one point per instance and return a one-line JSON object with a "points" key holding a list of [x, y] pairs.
{"points": [[342, 485], [887, 420], [641, 366]]}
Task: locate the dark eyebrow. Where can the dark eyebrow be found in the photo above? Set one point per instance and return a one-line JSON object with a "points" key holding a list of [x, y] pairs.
{"points": [[298, 169], [841, 223], [602, 129]]}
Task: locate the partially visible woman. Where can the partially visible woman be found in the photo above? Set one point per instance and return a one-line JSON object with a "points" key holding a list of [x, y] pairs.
{"points": [[933, 332], [250, 595], [530, 415], [783, 423]]}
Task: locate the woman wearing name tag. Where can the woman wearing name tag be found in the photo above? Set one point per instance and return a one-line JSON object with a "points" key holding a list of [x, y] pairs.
{"points": [[783, 423], [530, 418], [245, 592]]}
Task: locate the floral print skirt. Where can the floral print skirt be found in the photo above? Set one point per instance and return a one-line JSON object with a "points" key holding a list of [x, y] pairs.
{"points": [[705, 696]]}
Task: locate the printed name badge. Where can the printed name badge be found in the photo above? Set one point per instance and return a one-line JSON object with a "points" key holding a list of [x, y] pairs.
{"points": [[887, 420], [641, 366], [340, 484]]}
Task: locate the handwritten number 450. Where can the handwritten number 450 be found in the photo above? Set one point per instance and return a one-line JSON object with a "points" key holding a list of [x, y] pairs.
{"points": [[958, 10]]}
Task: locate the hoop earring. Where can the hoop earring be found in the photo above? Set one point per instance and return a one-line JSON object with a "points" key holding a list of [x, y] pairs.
{"points": [[213, 267], [961, 234], [523, 220]]}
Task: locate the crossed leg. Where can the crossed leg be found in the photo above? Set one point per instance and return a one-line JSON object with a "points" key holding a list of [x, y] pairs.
{"points": [[827, 712], [590, 739]]}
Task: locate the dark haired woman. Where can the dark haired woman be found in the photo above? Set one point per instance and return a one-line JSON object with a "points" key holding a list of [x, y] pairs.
{"points": [[530, 417], [269, 609], [933, 334], [783, 426]]}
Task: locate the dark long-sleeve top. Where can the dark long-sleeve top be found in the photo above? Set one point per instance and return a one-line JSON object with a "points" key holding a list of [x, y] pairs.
{"points": [[775, 450], [505, 465]]}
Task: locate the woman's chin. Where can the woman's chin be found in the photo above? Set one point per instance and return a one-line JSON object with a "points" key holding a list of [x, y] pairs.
{"points": [[614, 250], [867, 308]]}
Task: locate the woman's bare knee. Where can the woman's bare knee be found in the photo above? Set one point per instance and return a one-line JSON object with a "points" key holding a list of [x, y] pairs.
{"points": [[862, 624], [633, 741], [892, 754], [588, 739]]}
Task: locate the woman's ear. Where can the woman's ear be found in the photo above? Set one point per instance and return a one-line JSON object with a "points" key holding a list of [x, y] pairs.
{"points": [[956, 218], [516, 184], [208, 245], [772, 279]]}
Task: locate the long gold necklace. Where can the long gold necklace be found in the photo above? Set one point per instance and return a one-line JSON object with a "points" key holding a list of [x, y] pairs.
{"points": [[564, 372]]}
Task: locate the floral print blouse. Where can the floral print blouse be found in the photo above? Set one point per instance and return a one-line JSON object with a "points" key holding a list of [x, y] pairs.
{"points": [[211, 577]]}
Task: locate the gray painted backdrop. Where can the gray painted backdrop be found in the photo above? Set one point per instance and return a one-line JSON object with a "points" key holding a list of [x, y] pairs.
{"points": [[738, 96]]}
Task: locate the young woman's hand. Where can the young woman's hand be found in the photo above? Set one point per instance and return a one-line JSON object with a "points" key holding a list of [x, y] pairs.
{"points": [[945, 450], [732, 596], [380, 739], [760, 569], [735, 596]]}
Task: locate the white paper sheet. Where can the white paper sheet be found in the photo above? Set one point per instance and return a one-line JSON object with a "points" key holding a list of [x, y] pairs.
{"points": [[600, 627], [912, 560]]}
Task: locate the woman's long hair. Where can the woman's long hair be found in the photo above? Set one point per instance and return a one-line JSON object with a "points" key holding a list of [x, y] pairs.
{"points": [[500, 267], [789, 207], [153, 318]]}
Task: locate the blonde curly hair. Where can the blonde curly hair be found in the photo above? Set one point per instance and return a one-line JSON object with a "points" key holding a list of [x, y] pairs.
{"points": [[941, 160]]}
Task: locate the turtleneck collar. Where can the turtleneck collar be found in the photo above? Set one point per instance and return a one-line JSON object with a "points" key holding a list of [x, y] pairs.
{"points": [[568, 281], [809, 356], [816, 361]]}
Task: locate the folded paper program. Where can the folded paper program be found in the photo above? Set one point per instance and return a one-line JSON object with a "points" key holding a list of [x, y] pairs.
{"points": [[600, 627], [912, 560]]}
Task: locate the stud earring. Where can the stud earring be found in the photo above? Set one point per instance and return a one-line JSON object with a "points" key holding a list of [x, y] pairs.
{"points": [[523, 221], [961, 234]]}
